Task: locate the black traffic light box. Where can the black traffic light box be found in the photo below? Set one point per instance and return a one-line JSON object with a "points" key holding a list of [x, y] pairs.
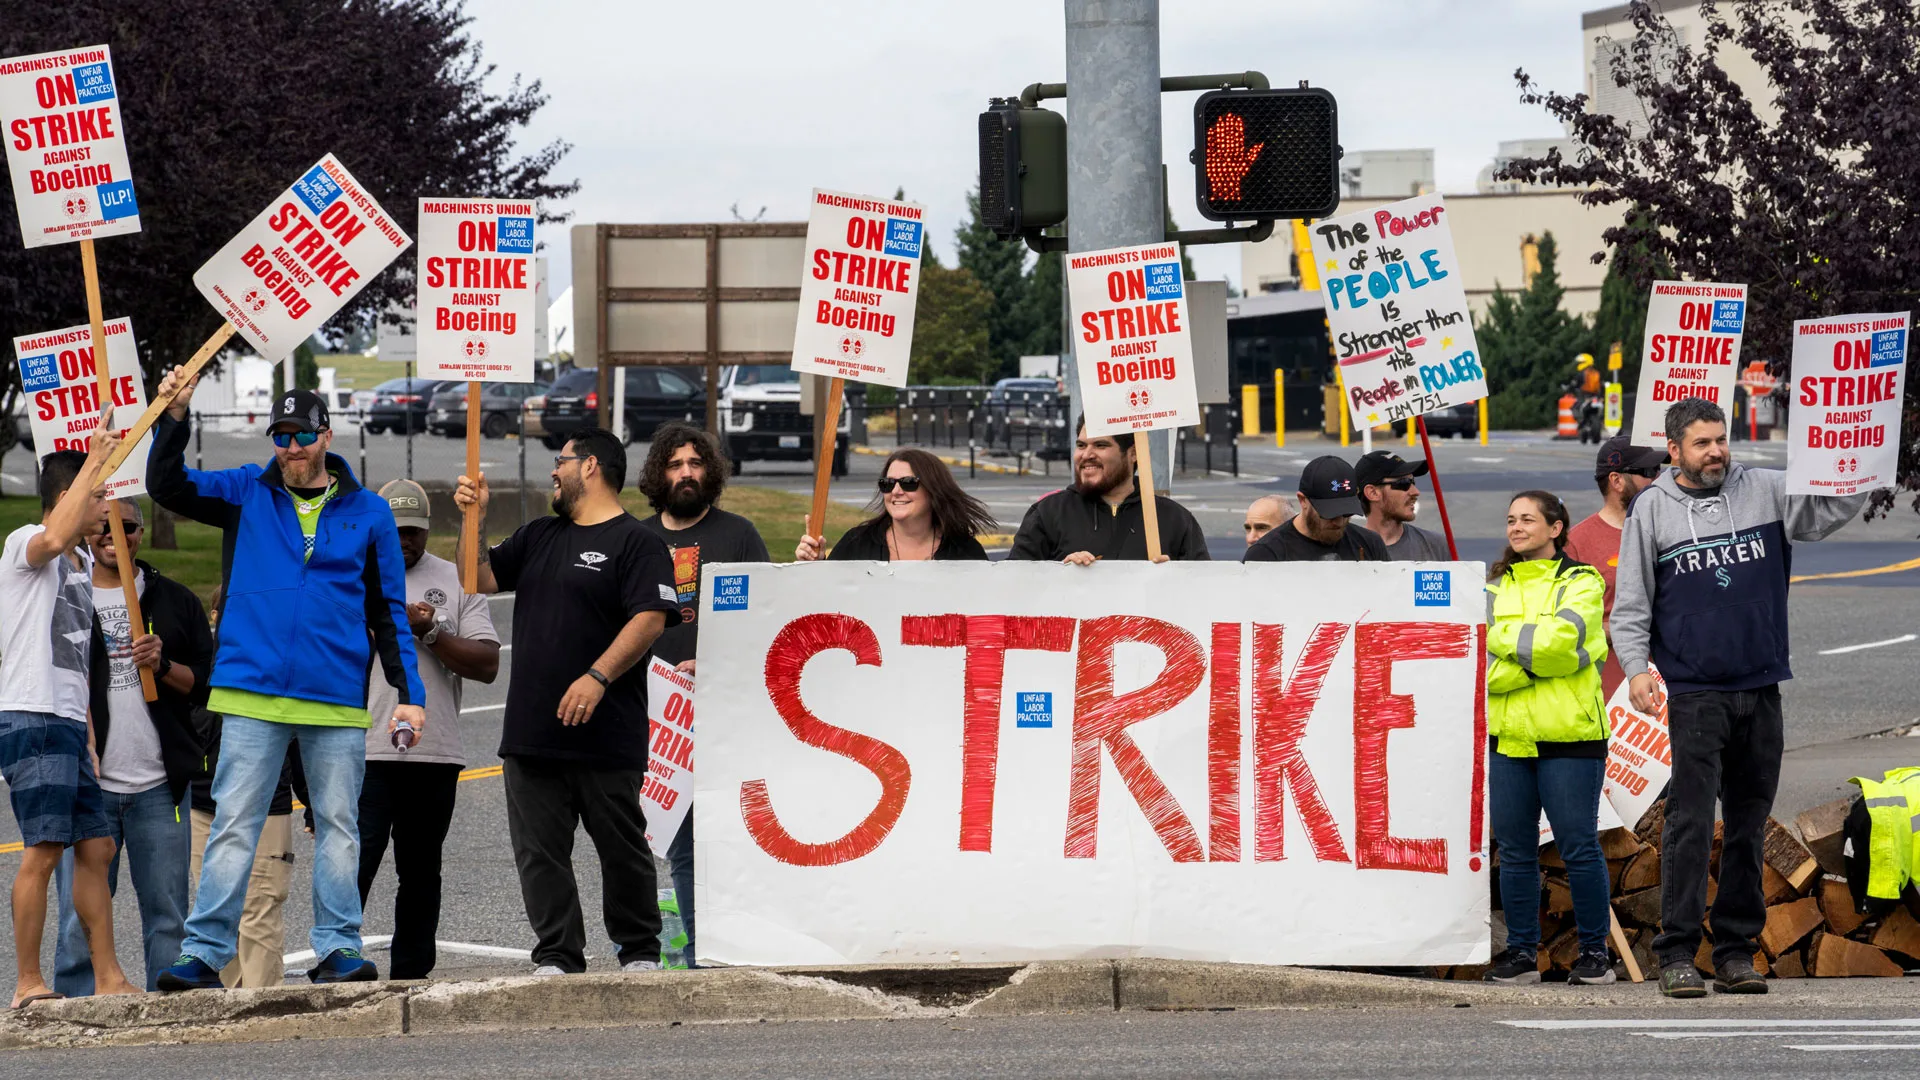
{"points": [[1023, 168], [1263, 154]]}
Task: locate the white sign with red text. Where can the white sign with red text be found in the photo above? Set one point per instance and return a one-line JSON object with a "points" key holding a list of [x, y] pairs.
{"points": [[1397, 310], [308, 253], [859, 287], [476, 286], [58, 376], [918, 762], [1639, 755], [1692, 350], [668, 789], [1843, 433], [65, 148], [1132, 343]]}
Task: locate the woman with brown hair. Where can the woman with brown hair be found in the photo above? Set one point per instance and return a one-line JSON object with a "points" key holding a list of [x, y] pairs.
{"points": [[921, 514]]}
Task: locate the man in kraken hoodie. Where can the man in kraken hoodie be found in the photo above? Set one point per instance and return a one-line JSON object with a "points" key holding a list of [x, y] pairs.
{"points": [[1702, 593]]}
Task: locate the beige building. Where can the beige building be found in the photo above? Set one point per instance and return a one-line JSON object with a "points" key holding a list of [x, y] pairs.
{"points": [[1606, 34]]}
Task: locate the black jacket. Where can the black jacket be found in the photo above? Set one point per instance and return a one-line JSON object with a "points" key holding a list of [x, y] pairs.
{"points": [[174, 613], [868, 541], [1068, 521]]}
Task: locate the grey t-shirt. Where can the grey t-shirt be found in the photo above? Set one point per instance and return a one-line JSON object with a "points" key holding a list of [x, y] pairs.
{"points": [[435, 581], [1417, 545], [46, 630]]}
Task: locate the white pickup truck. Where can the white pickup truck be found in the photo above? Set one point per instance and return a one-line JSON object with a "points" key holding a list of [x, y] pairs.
{"points": [[760, 414]]}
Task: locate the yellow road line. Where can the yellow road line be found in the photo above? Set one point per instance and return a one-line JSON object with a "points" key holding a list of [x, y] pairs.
{"points": [[1891, 568]]}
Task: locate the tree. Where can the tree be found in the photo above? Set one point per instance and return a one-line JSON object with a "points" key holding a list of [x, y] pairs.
{"points": [[951, 343], [1001, 267], [1041, 307], [1528, 344], [1802, 187], [306, 370], [1622, 315]]}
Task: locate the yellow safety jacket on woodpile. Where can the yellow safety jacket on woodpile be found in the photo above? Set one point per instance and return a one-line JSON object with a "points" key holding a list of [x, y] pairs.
{"points": [[1893, 848]]}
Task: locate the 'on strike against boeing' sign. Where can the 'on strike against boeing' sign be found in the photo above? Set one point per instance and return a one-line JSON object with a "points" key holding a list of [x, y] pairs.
{"points": [[1221, 775], [65, 147]]}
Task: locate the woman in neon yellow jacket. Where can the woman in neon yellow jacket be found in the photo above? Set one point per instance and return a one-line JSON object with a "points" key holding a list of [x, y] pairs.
{"points": [[1548, 726]]}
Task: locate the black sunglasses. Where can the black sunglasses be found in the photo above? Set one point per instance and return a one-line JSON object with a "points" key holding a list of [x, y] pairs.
{"points": [[283, 439], [907, 483], [1405, 483]]}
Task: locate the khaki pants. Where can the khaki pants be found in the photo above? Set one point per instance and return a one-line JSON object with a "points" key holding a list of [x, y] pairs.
{"points": [[260, 962]]}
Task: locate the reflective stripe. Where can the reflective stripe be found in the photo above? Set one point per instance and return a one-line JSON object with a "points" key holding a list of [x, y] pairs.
{"points": [[1489, 605], [1524, 650], [1579, 623], [1887, 800]]}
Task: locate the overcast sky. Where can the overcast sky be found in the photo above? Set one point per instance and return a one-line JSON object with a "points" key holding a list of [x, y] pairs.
{"points": [[677, 111]]}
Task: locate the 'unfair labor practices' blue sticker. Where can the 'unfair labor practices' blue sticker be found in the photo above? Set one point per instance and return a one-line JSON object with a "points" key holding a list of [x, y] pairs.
{"points": [[1163, 281], [1432, 588], [730, 592], [903, 238], [39, 373], [316, 189], [92, 83], [515, 236], [1729, 316], [116, 200], [1033, 708], [1889, 348]]}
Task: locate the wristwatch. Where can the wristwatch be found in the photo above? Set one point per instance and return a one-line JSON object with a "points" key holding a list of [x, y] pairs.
{"points": [[596, 676], [431, 635], [166, 665]]}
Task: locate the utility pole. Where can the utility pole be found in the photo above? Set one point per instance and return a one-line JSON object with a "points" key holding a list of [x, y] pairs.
{"points": [[1115, 188]]}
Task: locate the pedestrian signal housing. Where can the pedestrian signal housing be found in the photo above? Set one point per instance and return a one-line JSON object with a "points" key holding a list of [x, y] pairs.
{"points": [[1023, 168], [1265, 154]]}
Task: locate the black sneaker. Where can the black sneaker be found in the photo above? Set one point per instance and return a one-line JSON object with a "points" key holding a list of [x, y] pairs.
{"points": [[1736, 976], [1514, 967], [1680, 979], [1592, 969]]}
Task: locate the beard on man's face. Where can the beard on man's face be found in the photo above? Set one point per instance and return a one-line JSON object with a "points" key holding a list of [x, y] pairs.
{"points": [[690, 498], [568, 497]]}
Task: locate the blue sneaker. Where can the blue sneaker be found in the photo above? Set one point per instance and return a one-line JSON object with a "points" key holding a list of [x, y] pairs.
{"points": [[344, 965], [190, 973]]}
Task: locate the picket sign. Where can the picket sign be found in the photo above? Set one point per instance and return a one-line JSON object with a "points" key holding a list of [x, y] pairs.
{"points": [[1848, 375], [667, 790], [884, 746], [58, 376], [1692, 350], [1639, 759], [65, 147]]}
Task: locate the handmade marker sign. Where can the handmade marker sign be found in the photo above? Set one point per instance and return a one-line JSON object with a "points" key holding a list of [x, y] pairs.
{"points": [[1843, 432], [1692, 350]]}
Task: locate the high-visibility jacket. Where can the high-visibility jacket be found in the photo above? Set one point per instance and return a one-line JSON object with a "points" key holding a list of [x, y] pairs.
{"points": [[1893, 808], [1545, 643]]}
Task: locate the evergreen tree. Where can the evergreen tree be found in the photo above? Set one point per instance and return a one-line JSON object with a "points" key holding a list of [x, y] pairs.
{"points": [[999, 266], [951, 344], [306, 370], [1528, 345], [1186, 257], [1041, 308], [1622, 316]]}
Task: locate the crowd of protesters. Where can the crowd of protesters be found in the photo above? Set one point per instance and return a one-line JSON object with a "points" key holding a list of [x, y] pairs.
{"points": [[342, 647]]}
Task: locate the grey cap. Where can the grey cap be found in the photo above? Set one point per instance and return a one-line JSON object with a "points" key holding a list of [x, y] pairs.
{"points": [[409, 504]]}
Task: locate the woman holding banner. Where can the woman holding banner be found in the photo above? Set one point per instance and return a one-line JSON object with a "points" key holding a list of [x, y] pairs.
{"points": [[1548, 727], [920, 514]]}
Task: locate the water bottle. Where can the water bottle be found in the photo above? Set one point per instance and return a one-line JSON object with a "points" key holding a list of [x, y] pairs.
{"points": [[673, 933], [403, 736]]}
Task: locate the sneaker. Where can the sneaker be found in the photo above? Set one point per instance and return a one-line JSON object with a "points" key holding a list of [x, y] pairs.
{"points": [[1514, 967], [190, 973], [1592, 969], [549, 969], [632, 966], [1736, 976], [343, 965], [1680, 979]]}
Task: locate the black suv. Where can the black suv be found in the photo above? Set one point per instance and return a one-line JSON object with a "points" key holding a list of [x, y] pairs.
{"points": [[654, 396]]}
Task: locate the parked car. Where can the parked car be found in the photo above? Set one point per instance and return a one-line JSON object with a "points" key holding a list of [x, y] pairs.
{"points": [[401, 404], [654, 396], [532, 424], [362, 402], [1461, 421], [1022, 391], [499, 411]]}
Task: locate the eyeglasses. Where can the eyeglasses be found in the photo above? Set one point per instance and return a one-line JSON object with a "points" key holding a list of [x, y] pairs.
{"points": [[906, 483], [562, 459], [131, 528], [283, 439], [1405, 483]]}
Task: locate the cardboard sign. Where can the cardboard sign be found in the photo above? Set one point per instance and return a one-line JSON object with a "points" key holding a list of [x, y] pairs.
{"points": [[1397, 309], [61, 115], [1692, 350], [476, 289], [858, 293], [1639, 756], [668, 789], [1274, 763], [57, 375], [308, 253], [1133, 345], [1844, 429]]}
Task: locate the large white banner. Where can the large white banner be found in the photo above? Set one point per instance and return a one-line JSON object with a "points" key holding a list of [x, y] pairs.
{"points": [[1397, 309], [57, 374], [859, 288], [1692, 350], [1133, 347], [1844, 428], [1268, 763], [476, 288], [65, 147]]}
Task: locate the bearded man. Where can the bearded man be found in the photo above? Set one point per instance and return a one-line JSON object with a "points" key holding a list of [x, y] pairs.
{"points": [[1100, 516]]}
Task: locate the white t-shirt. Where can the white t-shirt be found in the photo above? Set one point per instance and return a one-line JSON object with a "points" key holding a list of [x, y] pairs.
{"points": [[435, 581], [46, 628], [131, 761]]}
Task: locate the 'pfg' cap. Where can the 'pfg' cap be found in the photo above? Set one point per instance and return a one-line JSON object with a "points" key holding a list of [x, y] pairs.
{"points": [[408, 501]]}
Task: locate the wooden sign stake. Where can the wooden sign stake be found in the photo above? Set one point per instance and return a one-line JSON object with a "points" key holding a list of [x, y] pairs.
{"points": [[470, 521], [1149, 512], [1433, 471], [823, 450], [160, 402]]}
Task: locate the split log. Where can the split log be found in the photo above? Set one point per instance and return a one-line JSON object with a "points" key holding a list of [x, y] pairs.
{"points": [[1640, 908], [1822, 831], [1564, 950], [1784, 852], [1642, 871], [1619, 844], [1774, 888], [1790, 966], [1559, 896], [1836, 904], [1788, 924], [1899, 933], [1830, 956], [1652, 823]]}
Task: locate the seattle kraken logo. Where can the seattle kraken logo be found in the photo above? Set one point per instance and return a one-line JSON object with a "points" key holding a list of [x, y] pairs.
{"points": [[1724, 579]]}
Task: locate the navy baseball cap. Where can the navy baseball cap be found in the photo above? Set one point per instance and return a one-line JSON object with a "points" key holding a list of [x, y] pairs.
{"points": [[1618, 454], [1384, 465], [1327, 482], [304, 409]]}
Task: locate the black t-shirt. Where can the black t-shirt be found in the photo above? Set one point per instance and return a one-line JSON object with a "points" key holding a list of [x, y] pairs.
{"points": [[719, 537], [1284, 543], [868, 541], [576, 588]]}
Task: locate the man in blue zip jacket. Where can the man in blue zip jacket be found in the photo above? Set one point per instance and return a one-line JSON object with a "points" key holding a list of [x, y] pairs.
{"points": [[315, 592]]}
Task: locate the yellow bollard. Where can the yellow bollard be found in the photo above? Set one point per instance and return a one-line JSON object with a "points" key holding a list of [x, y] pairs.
{"points": [[1483, 421], [1346, 418], [1410, 431], [1249, 409], [1279, 408]]}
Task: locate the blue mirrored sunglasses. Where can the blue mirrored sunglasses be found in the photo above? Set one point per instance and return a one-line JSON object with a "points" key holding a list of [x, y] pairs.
{"points": [[283, 439]]}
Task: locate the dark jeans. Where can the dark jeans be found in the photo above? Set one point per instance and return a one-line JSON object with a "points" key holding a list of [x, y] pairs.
{"points": [[413, 804], [680, 861], [1568, 789], [546, 802], [1726, 745]]}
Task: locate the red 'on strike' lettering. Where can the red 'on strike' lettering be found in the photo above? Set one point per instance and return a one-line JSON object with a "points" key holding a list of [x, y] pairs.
{"points": [[1223, 746], [986, 639], [1101, 718], [1377, 710], [1280, 711], [799, 641]]}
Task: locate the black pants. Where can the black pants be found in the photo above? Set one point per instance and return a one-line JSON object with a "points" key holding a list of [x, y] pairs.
{"points": [[546, 802], [1726, 745], [413, 804]]}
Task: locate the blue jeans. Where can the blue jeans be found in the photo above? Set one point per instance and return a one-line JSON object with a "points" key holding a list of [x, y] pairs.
{"points": [[154, 834], [680, 862], [1568, 789], [251, 752]]}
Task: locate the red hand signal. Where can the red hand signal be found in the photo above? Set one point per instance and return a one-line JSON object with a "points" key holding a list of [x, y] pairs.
{"points": [[1228, 156]]}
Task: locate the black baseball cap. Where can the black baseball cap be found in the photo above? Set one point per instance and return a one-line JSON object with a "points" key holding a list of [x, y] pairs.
{"points": [[304, 409], [1618, 454], [1382, 466], [1327, 482]]}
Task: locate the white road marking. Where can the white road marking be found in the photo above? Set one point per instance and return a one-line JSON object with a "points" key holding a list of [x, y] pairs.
{"points": [[1901, 640], [1854, 1046], [1577, 1025], [1487, 460], [1767, 1034], [482, 708]]}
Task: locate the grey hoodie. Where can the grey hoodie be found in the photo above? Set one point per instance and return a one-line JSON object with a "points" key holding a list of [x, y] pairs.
{"points": [[1702, 584]]}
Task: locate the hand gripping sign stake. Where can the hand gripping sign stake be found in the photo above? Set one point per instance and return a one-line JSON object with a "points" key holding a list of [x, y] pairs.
{"points": [[823, 458]]}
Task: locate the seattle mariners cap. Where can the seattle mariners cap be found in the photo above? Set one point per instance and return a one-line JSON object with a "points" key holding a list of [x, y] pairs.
{"points": [[408, 501], [304, 409], [1327, 482]]}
